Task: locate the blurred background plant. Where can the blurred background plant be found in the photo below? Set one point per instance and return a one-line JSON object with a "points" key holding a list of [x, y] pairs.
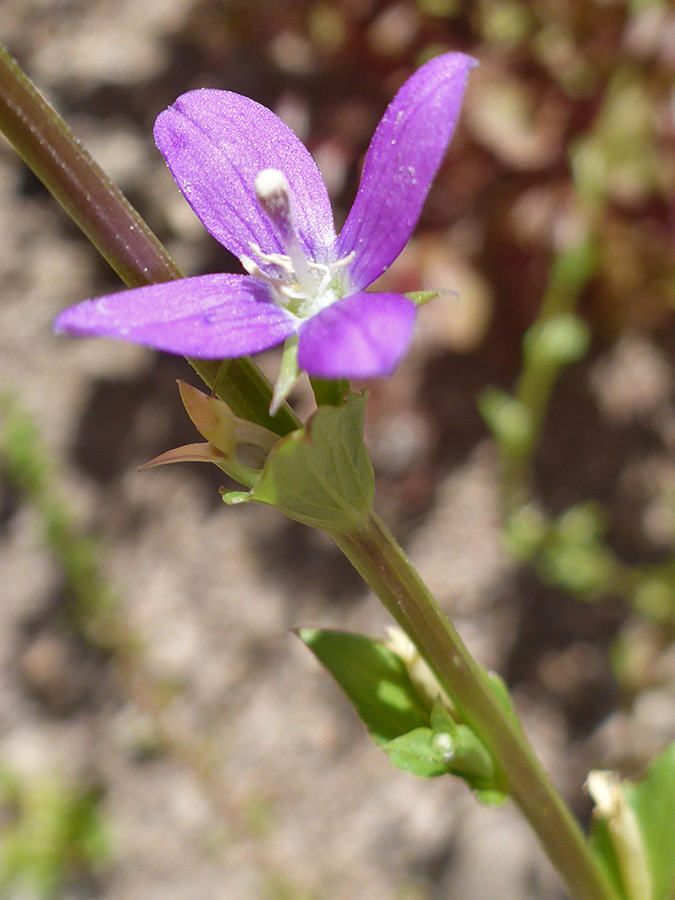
{"points": [[52, 836]]}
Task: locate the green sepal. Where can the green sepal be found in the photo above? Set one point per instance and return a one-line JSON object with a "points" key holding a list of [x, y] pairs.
{"points": [[415, 753], [288, 374], [321, 474], [419, 298], [634, 842], [374, 679]]}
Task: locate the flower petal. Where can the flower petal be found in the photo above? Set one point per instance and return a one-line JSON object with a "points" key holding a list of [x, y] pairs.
{"points": [[359, 336], [402, 160], [216, 143], [211, 316]]}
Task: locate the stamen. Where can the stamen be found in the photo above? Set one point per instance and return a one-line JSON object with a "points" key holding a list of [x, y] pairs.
{"points": [[275, 259], [273, 194], [341, 263]]}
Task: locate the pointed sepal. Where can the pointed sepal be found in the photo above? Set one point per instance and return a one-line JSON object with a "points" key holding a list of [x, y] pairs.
{"points": [[238, 447], [188, 453], [216, 422]]}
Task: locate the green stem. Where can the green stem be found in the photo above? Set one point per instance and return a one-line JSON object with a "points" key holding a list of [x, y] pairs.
{"points": [[385, 568], [100, 209], [115, 228]]}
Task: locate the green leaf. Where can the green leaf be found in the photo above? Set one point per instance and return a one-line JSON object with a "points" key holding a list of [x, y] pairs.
{"points": [[605, 852], [441, 719], [321, 474], [469, 758], [503, 696], [414, 752], [633, 832], [490, 796], [464, 753], [374, 679], [377, 682], [653, 800]]}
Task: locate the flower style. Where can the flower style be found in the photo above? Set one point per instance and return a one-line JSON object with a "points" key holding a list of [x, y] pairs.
{"points": [[258, 191]]}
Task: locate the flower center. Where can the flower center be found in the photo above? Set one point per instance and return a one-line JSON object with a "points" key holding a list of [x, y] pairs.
{"points": [[301, 285]]}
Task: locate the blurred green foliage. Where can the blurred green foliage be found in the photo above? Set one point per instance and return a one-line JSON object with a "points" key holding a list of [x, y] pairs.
{"points": [[26, 461], [51, 835]]}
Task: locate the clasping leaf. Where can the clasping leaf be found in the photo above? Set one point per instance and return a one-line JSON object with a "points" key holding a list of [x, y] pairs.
{"points": [[321, 474]]}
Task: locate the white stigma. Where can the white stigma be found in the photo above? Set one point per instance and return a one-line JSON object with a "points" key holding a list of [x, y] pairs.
{"points": [[273, 193]]}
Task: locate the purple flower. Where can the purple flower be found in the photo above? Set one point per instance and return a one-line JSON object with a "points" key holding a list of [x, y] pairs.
{"points": [[258, 191]]}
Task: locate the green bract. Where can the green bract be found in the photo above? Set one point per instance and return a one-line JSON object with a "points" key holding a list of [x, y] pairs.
{"points": [[321, 474]]}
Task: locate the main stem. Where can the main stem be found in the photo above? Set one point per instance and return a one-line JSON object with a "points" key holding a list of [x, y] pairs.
{"points": [[102, 212], [390, 574]]}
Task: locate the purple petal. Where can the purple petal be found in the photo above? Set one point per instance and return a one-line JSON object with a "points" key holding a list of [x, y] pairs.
{"points": [[402, 160], [359, 336], [211, 316], [216, 143]]}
